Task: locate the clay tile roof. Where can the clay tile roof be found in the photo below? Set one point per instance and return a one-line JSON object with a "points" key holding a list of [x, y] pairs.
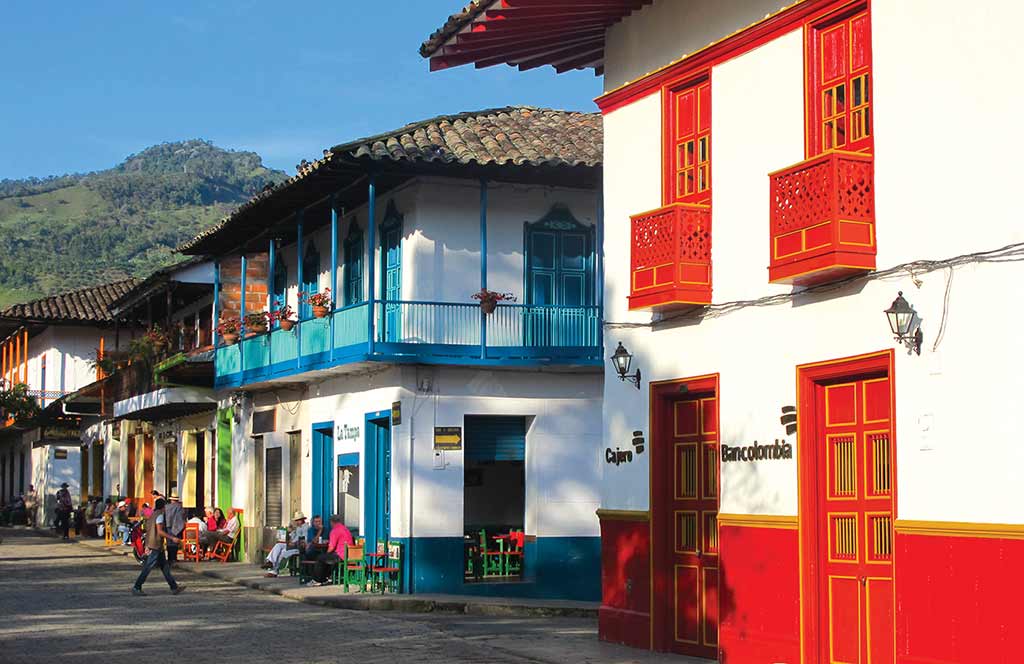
{"points": [[513, 136], [455, 22], [84, 305]]}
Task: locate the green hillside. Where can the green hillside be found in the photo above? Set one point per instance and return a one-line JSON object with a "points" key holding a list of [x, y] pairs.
{"points": [[68, 231]]}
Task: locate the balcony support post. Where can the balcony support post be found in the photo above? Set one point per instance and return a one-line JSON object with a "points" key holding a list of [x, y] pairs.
{"points": [[483, 264], [271, 260], [241, 343], [371, 250], [299, 216], [216, 305], [334, 270]]}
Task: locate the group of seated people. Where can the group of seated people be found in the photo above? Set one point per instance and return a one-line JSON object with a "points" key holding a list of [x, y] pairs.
{"points": [[214, 527], [307, 541]]}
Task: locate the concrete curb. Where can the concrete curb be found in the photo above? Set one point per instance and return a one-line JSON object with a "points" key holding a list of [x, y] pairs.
{"points": [[501, 607]]}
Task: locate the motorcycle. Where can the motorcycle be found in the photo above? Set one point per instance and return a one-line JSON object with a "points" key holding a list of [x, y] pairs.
{"points": [[137, 538]]}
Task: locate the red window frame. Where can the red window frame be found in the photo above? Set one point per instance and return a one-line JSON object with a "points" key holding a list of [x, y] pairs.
{"points": [[839, 81], [686, 139]]}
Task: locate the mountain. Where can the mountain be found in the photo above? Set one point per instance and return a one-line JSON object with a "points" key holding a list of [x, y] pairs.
{"points": [[67, 231]]}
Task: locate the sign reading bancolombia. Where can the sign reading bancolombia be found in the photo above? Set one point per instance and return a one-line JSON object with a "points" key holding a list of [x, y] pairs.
{"points": [[780, 449]]}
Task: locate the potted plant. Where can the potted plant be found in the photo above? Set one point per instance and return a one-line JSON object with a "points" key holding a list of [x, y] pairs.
{"points": [[320, 302], [490, 299], [228, 330], [256, 322], [283, 317], [158, 339]]}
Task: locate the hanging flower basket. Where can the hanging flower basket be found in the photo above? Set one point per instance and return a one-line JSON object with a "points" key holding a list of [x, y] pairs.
{"points": [[256, 323], [489, 299], [228, 329]]}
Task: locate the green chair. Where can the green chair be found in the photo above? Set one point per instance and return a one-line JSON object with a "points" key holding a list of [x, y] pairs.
{"points": [[493, 561], [351, 570], [514, 553]]}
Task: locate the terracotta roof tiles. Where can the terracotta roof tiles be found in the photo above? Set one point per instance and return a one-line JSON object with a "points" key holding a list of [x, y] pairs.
{"points": [[85, 305]]}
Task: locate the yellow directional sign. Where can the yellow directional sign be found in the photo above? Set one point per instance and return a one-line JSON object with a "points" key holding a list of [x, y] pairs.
{"points": [[447, 438]]}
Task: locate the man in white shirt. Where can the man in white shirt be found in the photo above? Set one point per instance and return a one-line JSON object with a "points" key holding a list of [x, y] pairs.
{"points": [[281, 551]]}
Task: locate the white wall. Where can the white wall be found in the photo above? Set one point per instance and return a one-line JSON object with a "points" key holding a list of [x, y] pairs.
{"points": [[564, 450], [957, 420], [665, 31], [441, 236]]}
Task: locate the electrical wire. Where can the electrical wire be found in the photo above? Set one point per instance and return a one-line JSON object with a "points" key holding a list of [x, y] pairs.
{"points": [[1009, 253]]}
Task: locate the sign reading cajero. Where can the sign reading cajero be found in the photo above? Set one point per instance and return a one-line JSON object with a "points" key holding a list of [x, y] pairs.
{"points": [[780, 449], [448, 438]]}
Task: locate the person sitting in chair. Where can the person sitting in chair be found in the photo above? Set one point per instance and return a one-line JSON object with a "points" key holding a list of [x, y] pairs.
{"points": [[282, 551], [340, 538], [226, 534]]}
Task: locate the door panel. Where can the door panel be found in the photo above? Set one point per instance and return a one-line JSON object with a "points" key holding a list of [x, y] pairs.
{"points": [[377, 519], [685, 505], [391, 258], [854, 487]]}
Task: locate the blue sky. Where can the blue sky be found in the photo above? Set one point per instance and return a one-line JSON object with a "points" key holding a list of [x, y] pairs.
{"points": [[87, 83]]}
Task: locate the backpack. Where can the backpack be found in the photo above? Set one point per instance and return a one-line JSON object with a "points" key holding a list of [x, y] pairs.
{"points": [[64, 499]]}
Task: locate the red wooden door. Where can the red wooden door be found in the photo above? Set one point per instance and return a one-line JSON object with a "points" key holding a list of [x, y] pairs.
{"points": [[855, 514], [685, 494], [841, 87]]}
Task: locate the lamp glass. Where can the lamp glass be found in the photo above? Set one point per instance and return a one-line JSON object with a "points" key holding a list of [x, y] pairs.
{"points": [[900, 315], [621, 360]]}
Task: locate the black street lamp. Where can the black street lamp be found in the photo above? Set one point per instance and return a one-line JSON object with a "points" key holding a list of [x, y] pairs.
{"points": [[902, 317], [621, 360]]}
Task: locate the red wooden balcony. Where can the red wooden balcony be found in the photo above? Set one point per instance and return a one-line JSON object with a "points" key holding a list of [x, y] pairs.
{"points": [[823, 219], [671, 261]]}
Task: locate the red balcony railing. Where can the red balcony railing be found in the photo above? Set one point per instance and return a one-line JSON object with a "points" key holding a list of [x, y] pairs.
{"points": [[823, 219], [671, 257]]}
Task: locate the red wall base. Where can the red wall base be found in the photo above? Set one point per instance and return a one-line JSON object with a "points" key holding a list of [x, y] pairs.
{"points": [[625, 616], [958, 599], [760, 596]]}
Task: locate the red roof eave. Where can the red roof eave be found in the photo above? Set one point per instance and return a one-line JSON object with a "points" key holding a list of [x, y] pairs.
{"points": [[566, 34]]}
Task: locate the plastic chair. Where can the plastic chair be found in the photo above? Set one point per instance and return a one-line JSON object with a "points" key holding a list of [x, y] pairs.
{"points": [[387, 573], [494, 561], [190, 548], [514, 554]]}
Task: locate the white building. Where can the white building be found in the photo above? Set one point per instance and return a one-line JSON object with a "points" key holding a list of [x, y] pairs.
{"points": [[809, 489], [426, 421], [50, 345]]}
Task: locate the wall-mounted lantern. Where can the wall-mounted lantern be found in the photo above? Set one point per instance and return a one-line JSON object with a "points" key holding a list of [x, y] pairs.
{"points": [[904, 324], [621, 360]]}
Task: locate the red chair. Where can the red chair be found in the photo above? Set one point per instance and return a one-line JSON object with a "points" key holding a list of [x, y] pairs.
{"points": [[514, 555], [190, 548]]}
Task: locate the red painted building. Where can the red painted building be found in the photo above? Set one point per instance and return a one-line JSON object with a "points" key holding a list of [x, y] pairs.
{"points": [[795, 480]]}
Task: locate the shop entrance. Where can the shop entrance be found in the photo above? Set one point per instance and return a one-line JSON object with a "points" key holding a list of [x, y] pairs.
{"points": [[494, 504], [377, 525], [684, 516], [323, 470], [847, 481]]}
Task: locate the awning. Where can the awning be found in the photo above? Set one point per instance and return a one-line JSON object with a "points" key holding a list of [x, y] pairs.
{"points": [[166, 403]]}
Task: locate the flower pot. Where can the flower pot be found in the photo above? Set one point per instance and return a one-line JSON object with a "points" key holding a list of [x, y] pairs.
{"points": [[320, 312], [258, 329], [488, 306], [286, 324], [230, 338]]}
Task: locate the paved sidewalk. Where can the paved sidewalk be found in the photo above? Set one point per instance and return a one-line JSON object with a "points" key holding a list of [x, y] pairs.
{"points": [[251, 576]]}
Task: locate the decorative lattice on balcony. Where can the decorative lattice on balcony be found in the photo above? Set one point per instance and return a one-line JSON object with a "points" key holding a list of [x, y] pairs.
{"points": [[822, 220], [671, 257]]}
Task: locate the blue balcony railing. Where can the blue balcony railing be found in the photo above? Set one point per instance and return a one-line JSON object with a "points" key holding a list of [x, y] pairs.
{"points": [[430, 332]]}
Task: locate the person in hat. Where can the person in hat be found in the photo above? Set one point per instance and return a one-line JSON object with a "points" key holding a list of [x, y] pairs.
{"points": [[174, 521], [64, 508], [283, 551]]}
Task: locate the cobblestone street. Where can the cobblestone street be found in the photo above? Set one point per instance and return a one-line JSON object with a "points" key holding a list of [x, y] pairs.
{"points": [[69, 603]]}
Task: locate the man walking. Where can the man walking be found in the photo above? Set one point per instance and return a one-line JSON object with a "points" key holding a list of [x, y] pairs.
{"points": [[174, 516], [155, 536], [64, 508]]}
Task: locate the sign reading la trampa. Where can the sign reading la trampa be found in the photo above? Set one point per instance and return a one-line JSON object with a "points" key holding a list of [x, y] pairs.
{"points": [[780, 449]]}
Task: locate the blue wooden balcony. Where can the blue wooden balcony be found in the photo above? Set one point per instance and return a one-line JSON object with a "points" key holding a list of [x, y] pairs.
{"points": [[418, 332]]}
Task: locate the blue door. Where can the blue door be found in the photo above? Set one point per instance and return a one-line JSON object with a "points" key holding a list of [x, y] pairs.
{"points": [[279, 298], [391, 274], [310, 279], [323, 469], [377, 519], [559, 279]]}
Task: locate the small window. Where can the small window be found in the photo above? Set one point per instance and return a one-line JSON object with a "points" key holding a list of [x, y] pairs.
{"points": [[839, 110], [687, 161], [263, 421]]}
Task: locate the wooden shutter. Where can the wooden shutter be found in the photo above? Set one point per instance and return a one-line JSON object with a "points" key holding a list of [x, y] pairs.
{"points": [[273, 483]]}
